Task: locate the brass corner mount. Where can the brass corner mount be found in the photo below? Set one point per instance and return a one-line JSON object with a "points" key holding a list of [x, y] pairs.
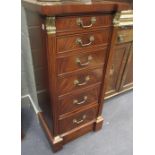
{"points": [[50, 25]]}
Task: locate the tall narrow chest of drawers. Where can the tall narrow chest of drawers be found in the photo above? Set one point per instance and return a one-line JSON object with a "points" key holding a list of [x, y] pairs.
{"points": [[75, 37]]}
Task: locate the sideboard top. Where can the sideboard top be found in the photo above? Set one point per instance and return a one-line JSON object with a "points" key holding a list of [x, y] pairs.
{"points": [[74, 7]]}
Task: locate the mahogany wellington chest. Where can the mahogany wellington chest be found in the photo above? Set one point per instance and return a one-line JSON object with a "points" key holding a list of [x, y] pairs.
{"points": [[75, 36]]}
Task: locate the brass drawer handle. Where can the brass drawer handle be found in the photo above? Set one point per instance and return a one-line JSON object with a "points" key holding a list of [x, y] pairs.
{"points": [[121, 38], [78, 103], [86, 63], [79, 41], [75, 121], [78, 83], [80, 22]]}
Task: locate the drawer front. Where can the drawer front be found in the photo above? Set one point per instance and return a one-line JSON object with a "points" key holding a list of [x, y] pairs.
{"points": [[77, 119], [81, 61], [76, 23], [124, 36], [80, 80], [83, 41], [76, 100]]}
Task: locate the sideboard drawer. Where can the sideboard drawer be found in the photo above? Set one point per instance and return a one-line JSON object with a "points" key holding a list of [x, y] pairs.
{"points": [[74, 101], [124, 35], [79, 80], [80, 61], [77, 119], [75, 23], [83, 41]]}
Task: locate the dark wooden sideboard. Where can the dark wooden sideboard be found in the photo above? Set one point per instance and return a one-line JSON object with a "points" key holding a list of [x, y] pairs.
{"points": [[76, 39], [120, 64]]}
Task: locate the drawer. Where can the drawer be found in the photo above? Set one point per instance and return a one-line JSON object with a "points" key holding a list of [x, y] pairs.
{"points": [[77, 119], [74, 101], [75, 23], [124, 36], [81, 61], [83, 41], [79, 80]]}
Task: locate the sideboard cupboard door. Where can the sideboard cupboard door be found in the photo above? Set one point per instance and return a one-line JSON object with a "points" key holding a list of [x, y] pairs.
{"points": [[127, 79], [119, 57]]}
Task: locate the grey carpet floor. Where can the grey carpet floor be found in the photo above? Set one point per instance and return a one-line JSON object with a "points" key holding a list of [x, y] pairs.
{"points": [[115, 138]]}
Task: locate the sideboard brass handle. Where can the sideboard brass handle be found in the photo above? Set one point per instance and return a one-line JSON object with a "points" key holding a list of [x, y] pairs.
{"points": [[78, 83], [79, 41], [86, 63], [80, 22], [111, 72], [121, 38], [79, 121], [81, 102]]}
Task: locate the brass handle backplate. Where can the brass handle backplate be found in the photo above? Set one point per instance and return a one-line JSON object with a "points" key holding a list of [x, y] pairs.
{"points": [[79, 41], [78, 83], [75, 121], [86, 63], [81, 102], [80, 22]]}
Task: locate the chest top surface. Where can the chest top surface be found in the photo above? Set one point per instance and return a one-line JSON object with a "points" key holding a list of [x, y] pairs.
{"points": [[74, 7]]}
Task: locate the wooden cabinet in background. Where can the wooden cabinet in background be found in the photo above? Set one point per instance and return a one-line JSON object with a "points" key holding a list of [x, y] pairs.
{"points": [[119, 76]]}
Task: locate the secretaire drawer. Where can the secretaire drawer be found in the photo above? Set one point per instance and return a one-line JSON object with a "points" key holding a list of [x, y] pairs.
{"points": [[79, 80], [124, 35], [75, 100], [83, 41], [75, 23], [77, 119], [80, 61]]}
